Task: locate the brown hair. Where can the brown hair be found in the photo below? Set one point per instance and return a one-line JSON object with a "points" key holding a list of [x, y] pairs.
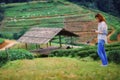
{"points": [[100, 17]]}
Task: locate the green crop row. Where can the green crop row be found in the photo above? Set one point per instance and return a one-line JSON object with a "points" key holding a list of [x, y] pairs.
{"points": [[89, 51]]}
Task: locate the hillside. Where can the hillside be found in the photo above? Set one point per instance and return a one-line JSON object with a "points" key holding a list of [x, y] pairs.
{"points": [[110, 6], [58, 69], [21, 16]]}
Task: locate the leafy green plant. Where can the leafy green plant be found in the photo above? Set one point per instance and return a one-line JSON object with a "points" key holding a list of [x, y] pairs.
{"points": [[114, 56], [7, 35], [81, 52], [112, 50], [114, 36], [1, 40], [19, 54], [14, 54], [3, 58]]}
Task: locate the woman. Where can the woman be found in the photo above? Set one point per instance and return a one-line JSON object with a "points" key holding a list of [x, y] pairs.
{"points": [[102, 38]]}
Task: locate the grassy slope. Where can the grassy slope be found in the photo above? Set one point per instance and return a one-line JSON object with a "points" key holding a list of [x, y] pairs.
{"points": [[58, 69]]}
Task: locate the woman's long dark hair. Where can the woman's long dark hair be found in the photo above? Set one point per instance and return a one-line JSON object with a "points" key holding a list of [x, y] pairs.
{"points": [[100, 17]]}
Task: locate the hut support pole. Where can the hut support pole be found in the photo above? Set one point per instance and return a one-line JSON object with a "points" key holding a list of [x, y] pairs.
{"points": [[47, 45], [39, 46], [36, 46], [50, 43], [26, 46], [60, 41], [72, 41]]}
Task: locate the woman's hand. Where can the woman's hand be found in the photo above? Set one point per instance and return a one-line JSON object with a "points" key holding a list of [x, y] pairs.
{"points": [[97, 32]]}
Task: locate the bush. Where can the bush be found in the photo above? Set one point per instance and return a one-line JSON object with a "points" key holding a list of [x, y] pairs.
{"points": [[19, 34], [112, 50], [114, 56], [114, 36], [7, 35], [3, 58], [94, 56], [116, 44], [10, 55], [1, 40], [19, 54], [81, 52]]}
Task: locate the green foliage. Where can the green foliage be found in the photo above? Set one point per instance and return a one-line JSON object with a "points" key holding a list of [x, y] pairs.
{"points": [[12, 35], [111, 7], [115, 23], [114, 56], [1, 40], [113, 50], [1, 13], [18, 35], [7, 35], [82, 52], [114, 36], [19, 54], [3, 58], [14, 54]]}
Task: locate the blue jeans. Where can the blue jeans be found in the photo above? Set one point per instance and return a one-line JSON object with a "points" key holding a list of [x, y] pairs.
{"points": [[101, 52]]}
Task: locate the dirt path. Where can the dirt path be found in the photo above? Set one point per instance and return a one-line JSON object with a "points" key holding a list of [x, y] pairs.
{"points": [[7, 44]]}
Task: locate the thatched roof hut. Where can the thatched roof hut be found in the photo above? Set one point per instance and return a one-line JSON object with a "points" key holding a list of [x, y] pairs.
{"points": [[43, 35]]}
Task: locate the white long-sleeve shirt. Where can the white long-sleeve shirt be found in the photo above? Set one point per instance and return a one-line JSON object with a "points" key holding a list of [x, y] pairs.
{"points": [[102, 27]]}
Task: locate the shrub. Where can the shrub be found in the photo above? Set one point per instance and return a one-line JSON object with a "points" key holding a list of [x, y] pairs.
{"points": [[7, 35], [113, 52], [3, 58], [14, 55], [19, 34], [1, 40], [81, 52], [19, 54], [114, 56], [116, 44], [94, 56], [114, 36]]}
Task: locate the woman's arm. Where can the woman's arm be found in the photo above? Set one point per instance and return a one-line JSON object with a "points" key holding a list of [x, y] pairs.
{"points": [[98, 32], [103, 29]]}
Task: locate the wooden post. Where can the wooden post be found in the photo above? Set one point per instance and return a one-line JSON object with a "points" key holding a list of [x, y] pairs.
{"points": [[60, 41], [26, 46], [36, 46], [50, 43], [39, 46], [71, 41], [6, 49], [47, 45], [18, 46]]}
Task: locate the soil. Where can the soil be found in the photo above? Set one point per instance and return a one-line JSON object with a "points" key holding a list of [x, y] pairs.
{"points": [[7, 44]]}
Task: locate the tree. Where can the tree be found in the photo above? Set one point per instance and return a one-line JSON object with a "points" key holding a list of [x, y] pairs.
{"points": [[117, 5], [110, 6]]}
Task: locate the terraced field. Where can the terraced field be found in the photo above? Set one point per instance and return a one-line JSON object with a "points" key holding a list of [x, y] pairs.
{"points": [[78, 19]]}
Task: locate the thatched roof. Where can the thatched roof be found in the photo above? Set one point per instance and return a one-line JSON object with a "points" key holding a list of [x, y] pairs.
{"points": [[43, 35]]}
